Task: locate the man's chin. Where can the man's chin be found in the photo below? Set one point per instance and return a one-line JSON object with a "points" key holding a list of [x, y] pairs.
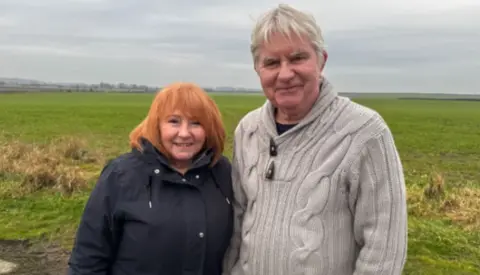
{"points": [[288, 103]]}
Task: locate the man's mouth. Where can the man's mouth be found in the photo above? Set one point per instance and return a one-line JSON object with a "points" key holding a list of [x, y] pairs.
{"points": [[290, 87]]}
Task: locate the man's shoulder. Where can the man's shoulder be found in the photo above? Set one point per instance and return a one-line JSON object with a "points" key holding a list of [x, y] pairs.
{"points": [[250, 120], [356, 109], [360, 118]]}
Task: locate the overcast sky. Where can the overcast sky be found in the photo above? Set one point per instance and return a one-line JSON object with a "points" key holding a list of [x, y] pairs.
{"points": [[374, 45]]}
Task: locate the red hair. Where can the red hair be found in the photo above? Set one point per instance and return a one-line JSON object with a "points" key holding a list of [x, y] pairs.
{"points": [[193, 102]]}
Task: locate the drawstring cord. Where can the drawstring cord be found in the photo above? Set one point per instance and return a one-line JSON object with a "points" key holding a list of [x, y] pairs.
{"points": [[149, 187]]}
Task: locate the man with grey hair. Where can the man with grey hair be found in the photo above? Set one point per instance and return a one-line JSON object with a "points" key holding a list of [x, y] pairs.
{"points": [[319, 185]]}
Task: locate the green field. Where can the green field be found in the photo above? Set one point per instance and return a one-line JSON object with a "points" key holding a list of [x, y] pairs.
{"points": [[439, 143]]}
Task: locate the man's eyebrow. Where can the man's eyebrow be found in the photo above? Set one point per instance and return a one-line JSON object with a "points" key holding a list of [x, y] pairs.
{"points": [[299, 52], [269, 59]]}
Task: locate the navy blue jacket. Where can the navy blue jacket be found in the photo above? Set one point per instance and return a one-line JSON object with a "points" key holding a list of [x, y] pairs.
{"points": [[144, 218]]}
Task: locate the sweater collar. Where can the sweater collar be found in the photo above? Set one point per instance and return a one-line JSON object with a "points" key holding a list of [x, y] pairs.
{"points": [[326, 96]]}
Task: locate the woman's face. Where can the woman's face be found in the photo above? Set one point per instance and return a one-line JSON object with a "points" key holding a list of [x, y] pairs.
{"points": [[182, 138]]}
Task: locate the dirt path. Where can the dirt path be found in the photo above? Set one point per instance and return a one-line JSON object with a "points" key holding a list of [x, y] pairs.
{"points": [[35, 259]]}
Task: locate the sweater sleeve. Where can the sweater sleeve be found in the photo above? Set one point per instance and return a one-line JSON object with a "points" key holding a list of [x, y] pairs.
{"points": [[380, 208], [239, 204]]}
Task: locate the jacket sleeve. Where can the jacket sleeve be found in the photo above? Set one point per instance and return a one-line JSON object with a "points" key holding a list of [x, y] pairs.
{"points": [[93, 249], [380, 207]]}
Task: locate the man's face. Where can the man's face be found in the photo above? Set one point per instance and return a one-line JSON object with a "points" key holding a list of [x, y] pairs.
{"points": [[289, 72]]}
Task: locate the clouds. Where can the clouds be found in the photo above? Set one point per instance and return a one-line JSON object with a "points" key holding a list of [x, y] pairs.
{"points": [[373, 45], [434, 52]]}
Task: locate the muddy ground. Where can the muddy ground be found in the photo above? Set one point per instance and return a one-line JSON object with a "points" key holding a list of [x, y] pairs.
{"points": [[34, 258]]}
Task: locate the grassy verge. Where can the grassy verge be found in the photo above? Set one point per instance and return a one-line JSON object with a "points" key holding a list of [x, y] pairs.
{"points": [[52, 147], [438, 247]]}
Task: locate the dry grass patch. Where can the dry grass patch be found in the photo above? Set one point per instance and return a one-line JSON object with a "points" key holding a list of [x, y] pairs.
{"points": [[460, 204], [57, 165]]}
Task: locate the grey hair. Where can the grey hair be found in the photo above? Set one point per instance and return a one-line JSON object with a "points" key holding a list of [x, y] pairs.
{"points": [[286, 20]]}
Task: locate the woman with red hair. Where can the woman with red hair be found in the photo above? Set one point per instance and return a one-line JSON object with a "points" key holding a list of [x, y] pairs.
{"points": [[164, 207]]}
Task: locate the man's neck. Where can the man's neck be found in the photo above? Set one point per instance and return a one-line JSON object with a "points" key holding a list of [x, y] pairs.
{"points": [[294, 115], [289, 117]]}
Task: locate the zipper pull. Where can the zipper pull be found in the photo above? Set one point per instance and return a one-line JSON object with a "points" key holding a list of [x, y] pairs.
{"points": [[228, 201], [149, 187]]}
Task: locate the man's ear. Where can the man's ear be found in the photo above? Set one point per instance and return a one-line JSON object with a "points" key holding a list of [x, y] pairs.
{"points": [[325, 58]]}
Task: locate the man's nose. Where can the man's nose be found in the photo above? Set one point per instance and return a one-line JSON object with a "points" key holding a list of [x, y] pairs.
{"points": [[286, 72]]}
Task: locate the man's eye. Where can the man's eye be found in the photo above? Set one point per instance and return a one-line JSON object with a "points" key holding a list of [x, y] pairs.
{"points": [[269, 63], [298, 58]]}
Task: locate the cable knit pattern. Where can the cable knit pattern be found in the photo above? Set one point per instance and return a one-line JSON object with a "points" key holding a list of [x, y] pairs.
{"points": [[336, 204]]}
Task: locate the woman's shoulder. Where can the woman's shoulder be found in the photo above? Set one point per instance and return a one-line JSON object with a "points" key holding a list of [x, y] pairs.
{"points": [[122, 172], [222, 175], [223, 163], [222, 169], [125, 163]]}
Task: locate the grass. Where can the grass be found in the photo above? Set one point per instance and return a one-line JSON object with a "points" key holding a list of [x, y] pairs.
{"points": [[437, 140]]}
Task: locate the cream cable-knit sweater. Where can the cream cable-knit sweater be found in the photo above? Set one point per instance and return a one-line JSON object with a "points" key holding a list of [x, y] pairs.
{"points": [[336, 204]]}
